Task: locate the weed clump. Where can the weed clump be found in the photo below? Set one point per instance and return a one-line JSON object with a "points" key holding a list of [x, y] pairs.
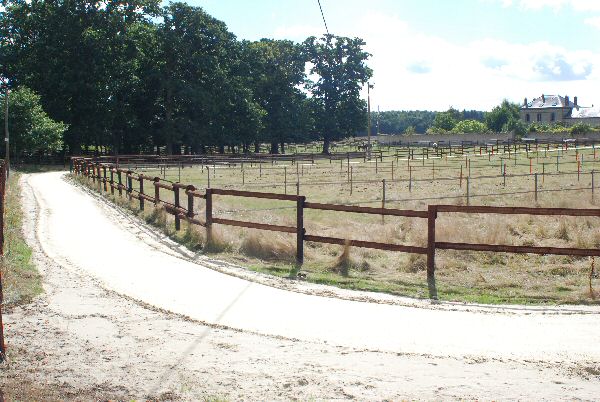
{"points": [[267, 247]]}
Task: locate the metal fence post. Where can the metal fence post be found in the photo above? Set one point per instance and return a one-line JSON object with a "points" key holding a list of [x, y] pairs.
{"points": [[300, 229], [535, 183], [431, 217]]}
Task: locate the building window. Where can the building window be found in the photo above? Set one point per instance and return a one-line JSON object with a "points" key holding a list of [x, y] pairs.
{"points": [[539, 117], [553, 117], [528, 117]]}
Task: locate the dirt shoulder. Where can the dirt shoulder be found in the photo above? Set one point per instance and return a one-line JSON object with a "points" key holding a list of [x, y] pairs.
{"points": [[79, 340]]}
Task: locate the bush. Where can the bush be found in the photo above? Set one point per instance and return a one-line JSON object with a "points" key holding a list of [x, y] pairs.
{"points": [[581, 128]]}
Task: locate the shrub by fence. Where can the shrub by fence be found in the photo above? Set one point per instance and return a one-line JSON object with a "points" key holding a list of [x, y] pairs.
{"points": [[108, 177]]}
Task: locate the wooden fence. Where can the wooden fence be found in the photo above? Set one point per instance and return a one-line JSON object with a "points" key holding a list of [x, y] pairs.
{"points": [[110, 178], [3, 177]]}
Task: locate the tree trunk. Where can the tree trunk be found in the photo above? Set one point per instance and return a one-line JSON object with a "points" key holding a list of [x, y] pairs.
{"points": [[221, 149], [256, 147], [326, 143], [274, 148], [282, 147]]}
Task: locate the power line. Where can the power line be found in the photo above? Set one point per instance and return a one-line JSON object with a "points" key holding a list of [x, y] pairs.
{"points": [[323, 15]]}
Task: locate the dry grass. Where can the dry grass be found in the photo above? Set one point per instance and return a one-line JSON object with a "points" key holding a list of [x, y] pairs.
{"points": [[470, 276]]}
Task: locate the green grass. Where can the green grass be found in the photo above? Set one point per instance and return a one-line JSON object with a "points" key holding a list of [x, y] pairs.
{"points": [[20, 279]]}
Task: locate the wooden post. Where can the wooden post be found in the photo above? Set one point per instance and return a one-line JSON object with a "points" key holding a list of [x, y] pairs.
{"points": [[208, 176], [176, 197], [105, 179], [409, 179], [461, 177], [285, 179], [578, 169], [431, 217], [112, 182], [351, 178], [208, 216], [468, 195], [190, 200], [141, 193], [120, 183], [129, 184], [592, 185], [383, 200], [300, 229], [535, 183], [156, 191]]}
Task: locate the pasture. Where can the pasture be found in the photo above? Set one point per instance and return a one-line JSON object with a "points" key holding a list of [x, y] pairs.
{"points": [[545, 176]]}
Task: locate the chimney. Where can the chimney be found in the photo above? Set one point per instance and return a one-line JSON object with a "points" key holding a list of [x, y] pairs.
{"points": [[525, 102], [567, 100], [543, 99], [575, 100]]}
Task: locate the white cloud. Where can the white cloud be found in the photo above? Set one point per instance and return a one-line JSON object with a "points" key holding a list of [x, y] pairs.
{"points": [[593, 21], [415, 70], [577, 5]]}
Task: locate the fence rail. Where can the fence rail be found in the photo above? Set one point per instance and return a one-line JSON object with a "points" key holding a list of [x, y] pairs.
{"points": [[97, 173]]}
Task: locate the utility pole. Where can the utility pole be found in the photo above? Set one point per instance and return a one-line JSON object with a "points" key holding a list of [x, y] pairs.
{"points": [[6, 137], [369, 121]]}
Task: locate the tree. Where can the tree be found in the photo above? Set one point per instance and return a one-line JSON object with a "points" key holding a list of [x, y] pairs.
{"points": [[277, 71], [503, 117], [445, 121], [339, 63], [469, 126], [31, 130]]}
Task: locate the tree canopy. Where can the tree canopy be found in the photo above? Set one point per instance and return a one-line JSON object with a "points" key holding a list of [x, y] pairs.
{"points": [[32, 132], [130, 76]]}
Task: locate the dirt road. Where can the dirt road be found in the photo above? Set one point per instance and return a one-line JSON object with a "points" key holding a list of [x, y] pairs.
{"points": [[127, 314]]}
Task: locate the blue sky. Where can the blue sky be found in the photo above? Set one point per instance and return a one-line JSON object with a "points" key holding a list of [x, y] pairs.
{"points": [[432, 54]]}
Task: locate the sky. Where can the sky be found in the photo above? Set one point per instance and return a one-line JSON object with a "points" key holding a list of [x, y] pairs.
{"points": [[433, 54]]}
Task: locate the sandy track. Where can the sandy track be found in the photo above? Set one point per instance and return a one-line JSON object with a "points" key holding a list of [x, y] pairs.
{"points": [[91, 334]]}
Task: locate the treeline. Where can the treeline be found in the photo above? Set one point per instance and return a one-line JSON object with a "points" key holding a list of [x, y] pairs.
{"points": [[129, 76], [416, 121]]}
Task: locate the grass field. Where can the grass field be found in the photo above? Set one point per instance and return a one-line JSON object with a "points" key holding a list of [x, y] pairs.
{"points": [[461, 276]]}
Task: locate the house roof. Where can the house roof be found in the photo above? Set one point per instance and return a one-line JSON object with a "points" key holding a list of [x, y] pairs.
{"points": [[585, 112], [549, 101]]}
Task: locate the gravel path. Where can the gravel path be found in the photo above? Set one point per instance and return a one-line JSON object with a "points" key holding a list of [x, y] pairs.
{"points": [[126, 314]]}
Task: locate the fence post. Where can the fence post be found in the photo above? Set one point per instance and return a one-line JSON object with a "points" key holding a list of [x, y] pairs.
{"points": [[468, 190], [156, 191], [351, 178], [112, 181], [2, 191], [285, 179], [409, 179], [104, 174], [592, 185], [535, 183], [120, 182], [190, 200], [383, 200], [208, 216], [300, 229], [431, 217], [177, 204], [141, 192], [129, 184]]}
